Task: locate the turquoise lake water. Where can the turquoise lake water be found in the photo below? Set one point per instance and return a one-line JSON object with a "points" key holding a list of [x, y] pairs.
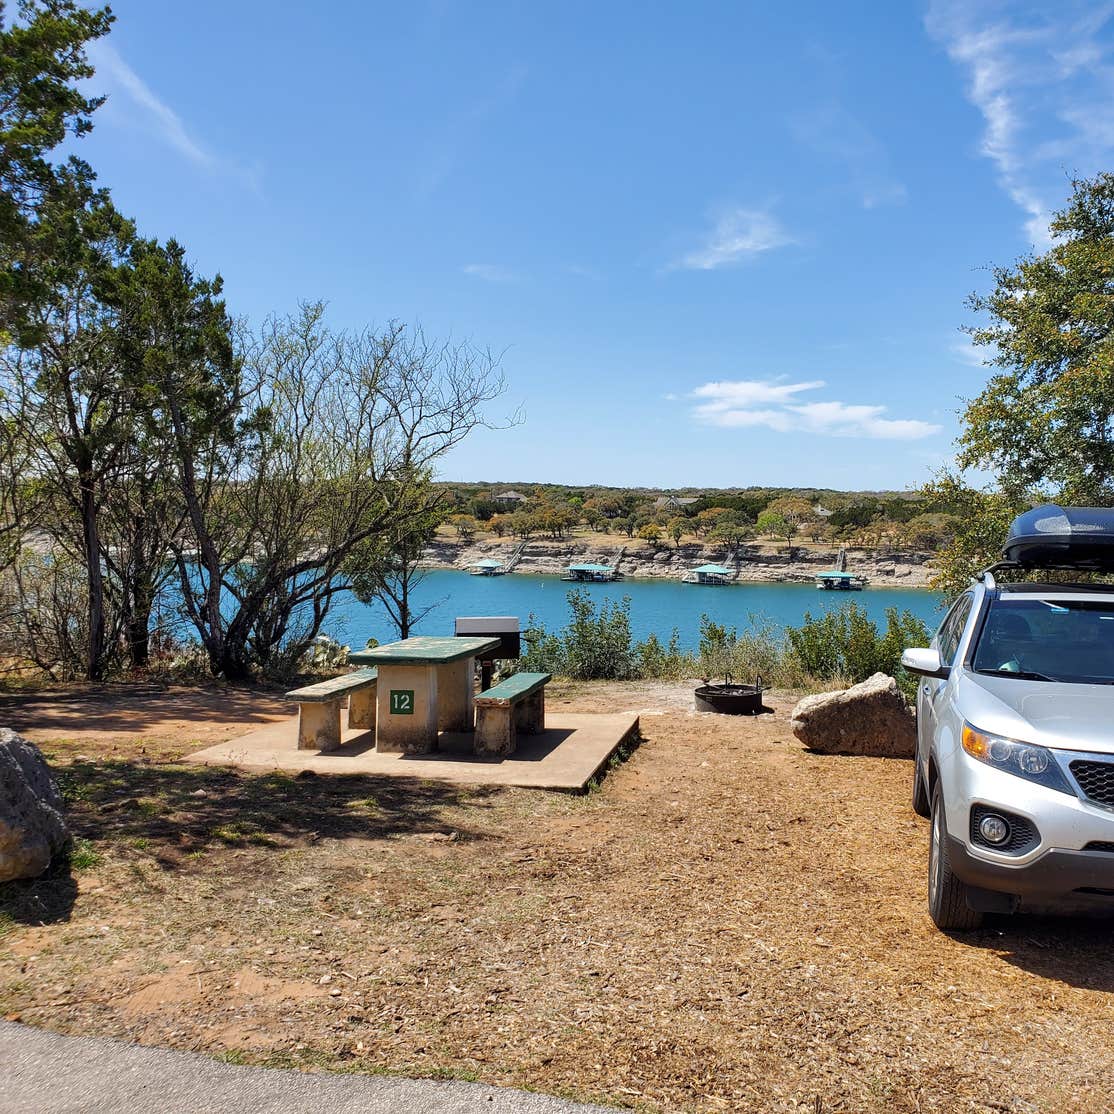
{"points": [[657, 606]]}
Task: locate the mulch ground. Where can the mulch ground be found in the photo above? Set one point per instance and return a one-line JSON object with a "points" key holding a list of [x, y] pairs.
{"points": [[727, 923]]}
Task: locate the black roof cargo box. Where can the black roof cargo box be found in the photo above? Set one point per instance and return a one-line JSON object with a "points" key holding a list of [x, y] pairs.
{"points": [[1062, 537]]}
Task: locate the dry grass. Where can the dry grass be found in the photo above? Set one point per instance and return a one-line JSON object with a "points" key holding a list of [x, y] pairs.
{"points": [[728, 923]]}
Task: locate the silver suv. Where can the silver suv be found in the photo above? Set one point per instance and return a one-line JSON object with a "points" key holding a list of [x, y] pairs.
{"points": [[1015, 748]]}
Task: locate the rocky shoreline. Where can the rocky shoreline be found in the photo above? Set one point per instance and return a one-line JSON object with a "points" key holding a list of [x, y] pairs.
{"points": [[640, 560]]}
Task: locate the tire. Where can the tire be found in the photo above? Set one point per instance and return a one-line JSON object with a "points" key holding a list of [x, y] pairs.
{"points": [[947, 895], [921, 804]]}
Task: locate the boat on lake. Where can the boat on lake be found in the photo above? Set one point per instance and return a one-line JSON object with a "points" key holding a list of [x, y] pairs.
{"points": [[835, 581]]}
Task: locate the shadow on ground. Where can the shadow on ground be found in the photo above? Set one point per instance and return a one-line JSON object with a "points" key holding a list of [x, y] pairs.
{"points": [[1070, 949], [132, 709], [47, 899], [173, 810]]}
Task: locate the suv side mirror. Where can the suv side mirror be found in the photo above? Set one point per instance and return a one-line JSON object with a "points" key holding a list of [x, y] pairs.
{"points": [[924, 661]]}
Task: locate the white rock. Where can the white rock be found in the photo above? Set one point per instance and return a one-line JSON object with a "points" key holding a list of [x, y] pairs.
{"points": [[32, 825], [869, 718]]}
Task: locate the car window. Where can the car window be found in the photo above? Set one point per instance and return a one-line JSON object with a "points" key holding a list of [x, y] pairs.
{"points": [[1051, 639], [951, 630]]}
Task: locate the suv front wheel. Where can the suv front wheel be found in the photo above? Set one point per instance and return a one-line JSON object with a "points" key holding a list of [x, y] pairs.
{"points": [[947, 895]]}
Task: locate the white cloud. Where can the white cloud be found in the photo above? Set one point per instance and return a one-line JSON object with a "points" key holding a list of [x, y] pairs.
{"points": [[774, 404], [967, 352], [831, 131], [739, 234], [1043, 85], [159, 116], [489, 272], [729, 395]]}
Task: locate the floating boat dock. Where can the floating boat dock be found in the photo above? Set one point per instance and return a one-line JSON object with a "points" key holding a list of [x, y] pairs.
{"points": [[598, 574], [487, 567], [708, 574], [835, 581]]}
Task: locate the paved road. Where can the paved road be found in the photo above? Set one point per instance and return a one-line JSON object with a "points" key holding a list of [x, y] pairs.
{"points": [[43, 1073]]}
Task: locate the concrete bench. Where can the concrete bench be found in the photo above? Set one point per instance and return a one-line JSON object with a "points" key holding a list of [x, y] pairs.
{"points": [[319, 708], [512, 706]]}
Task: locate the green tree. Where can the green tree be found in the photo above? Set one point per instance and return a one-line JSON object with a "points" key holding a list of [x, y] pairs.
{"points": [[523, 524], [174, 344], [65, 397], [337, 435], [979, 519], [1044, 419], [731, 530], [783, 518], [388, 567], [464, 525], [676, 529], [42, 61]]}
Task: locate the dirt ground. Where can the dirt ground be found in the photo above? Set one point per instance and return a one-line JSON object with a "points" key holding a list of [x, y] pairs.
{"points": [[727, 923]]}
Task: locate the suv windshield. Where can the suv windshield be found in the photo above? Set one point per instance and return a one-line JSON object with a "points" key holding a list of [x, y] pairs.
{"points": [[1048, 640]]}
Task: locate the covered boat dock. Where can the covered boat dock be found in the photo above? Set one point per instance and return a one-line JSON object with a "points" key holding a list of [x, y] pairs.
{"points": [[835, 581], [591, 572], [487, 567], [709, 574]]}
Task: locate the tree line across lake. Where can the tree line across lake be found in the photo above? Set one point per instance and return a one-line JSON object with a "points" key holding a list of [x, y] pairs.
{"points": [[724, 518]]}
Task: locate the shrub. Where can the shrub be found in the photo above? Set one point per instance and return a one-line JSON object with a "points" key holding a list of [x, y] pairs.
{"points": [[840, 647], [596, 645], [666, 662], [846, 644], [759, 651]]}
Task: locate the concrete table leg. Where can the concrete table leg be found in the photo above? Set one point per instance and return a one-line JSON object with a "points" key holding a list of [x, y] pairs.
{"points": [[496, 736], [319, 726], [530, 713], [406, 709], [455, 695], [361, 708]]}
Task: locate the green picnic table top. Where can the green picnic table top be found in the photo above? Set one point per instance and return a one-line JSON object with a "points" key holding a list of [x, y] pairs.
{"points": [[514, 688], [334, 688], [424, 650]]}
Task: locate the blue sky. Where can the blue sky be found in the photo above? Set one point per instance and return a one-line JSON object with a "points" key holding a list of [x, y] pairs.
{"points": [[717, 244]]}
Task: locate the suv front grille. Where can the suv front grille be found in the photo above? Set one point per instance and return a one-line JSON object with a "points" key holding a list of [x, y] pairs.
{"points": [[1096, 779]]}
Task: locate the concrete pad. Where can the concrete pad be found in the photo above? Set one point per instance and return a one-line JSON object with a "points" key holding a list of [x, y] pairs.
{"points": [[565, 756]]}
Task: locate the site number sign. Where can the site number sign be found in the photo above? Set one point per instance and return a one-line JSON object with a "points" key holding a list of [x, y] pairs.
{"points": [[402, 702]]}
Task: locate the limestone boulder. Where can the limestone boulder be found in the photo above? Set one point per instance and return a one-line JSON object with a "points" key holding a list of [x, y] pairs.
{"points": [[32, 825], [869, 718]]}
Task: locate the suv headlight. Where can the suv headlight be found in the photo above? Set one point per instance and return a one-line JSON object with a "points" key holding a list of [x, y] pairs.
{"points": [[1023, 759]]}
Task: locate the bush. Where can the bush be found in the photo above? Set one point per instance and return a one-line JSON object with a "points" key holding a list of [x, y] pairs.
{"points": [[597, 646], [759, 651], [653, 660], [840, 647], [846, 644]]}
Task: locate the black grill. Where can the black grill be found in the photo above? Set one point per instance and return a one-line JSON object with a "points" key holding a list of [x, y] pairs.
{"points": [[1096, 779], [1023, 836], [1100, 845]]}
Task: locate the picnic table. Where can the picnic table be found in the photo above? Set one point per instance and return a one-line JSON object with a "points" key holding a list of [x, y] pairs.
{"points": [[425, 686]]}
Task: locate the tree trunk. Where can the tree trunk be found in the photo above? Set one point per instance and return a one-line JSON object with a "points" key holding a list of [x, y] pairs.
{"points": [[137, 629], [95, 646]]}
